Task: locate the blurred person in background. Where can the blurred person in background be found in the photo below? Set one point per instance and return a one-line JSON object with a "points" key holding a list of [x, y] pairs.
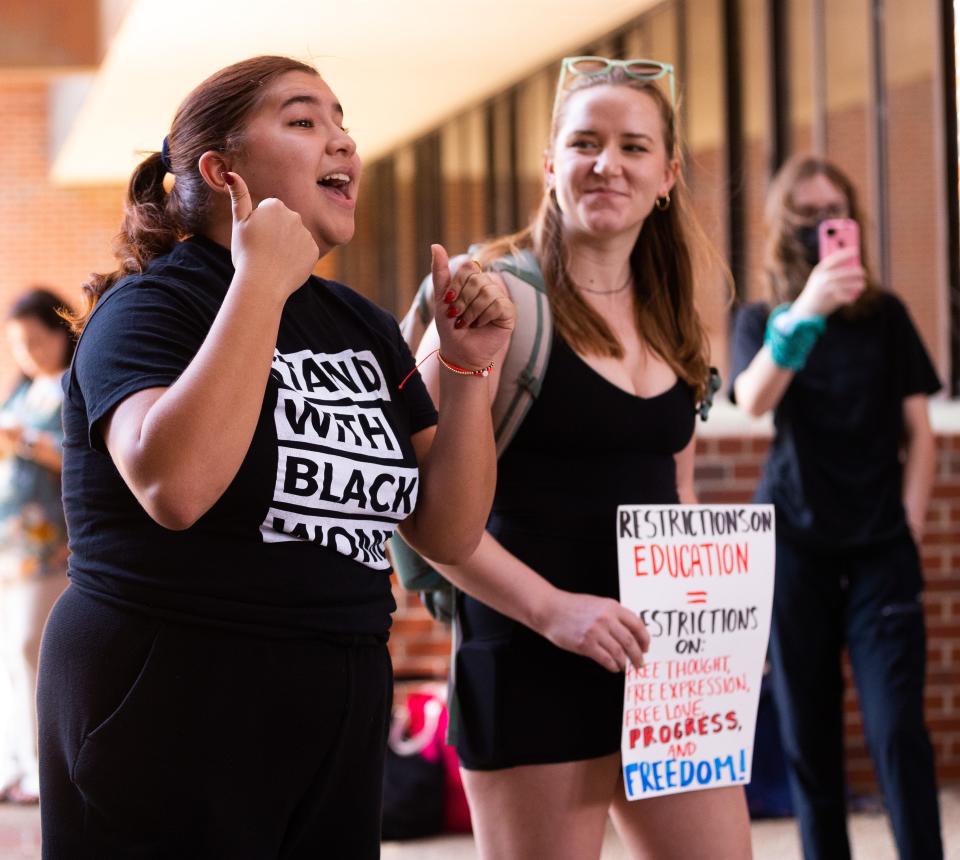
{"points": [[850, 472], [33, 535]]}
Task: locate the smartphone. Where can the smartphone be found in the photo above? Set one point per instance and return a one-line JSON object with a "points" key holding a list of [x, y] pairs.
{"points": [[836, 234]]}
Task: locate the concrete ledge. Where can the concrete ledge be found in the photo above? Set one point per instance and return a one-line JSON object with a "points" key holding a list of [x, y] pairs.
{"points": [[727, 420]]}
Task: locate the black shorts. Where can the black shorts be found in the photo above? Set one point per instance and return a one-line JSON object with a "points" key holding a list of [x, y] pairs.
{"points": [[522, 700], [160, 739]]}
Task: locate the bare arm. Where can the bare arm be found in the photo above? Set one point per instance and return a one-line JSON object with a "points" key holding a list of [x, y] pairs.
{"points": [[595, 627], [684, 463], [172, 446], [458, 473], [833, 282], [458, 464], [40, 446], [918, 471], [761, 386]]}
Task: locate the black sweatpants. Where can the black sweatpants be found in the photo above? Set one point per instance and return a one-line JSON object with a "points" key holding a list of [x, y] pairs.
{"points": [[165, 740]]}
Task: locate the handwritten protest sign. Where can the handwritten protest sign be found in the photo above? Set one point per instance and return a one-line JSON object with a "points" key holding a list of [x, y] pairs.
{"points": [[701, 579]]}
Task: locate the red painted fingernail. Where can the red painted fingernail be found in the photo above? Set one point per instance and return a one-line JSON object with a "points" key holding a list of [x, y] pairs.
{"points": [[228, 177], [450, 296], [460, 323], [452, 311]]}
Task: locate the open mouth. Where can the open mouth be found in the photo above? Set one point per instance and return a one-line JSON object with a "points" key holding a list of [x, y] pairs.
{"points": [[336, 183]]}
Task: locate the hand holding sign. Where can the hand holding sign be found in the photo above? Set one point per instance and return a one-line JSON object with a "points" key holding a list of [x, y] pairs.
{"points": [[269, 242], [474, 314], [598, 628]]}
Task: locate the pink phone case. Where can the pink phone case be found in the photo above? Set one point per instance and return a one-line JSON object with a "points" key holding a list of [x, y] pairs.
{"points": [[838, 233]]}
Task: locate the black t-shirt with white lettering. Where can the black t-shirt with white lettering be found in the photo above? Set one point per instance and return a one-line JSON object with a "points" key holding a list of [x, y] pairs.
{"points": [[295, 545], [834, 470]]}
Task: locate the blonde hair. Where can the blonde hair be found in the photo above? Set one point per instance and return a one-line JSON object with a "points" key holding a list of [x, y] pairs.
{"points": [[670, 251]]}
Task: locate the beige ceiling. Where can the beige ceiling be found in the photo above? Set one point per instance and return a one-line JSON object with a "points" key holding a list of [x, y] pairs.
{"points": [[398, 66]]}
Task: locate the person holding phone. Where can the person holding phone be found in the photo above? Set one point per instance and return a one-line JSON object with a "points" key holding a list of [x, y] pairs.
{"points": [[215, 681], [850, 472]]}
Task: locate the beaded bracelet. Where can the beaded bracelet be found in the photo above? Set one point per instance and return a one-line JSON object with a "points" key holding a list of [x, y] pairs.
{"points": [[462, 371], [791, 338]]}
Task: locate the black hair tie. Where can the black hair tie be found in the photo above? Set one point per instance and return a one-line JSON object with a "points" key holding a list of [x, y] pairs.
{"points": [[165, 155]]}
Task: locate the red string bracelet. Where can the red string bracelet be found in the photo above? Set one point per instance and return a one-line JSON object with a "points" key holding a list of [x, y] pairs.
{"points": [[460, 371], [417, 367]]}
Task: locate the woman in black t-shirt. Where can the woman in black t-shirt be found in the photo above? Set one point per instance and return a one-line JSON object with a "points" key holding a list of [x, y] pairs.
{"points": [[238, 449], [847, 376]]}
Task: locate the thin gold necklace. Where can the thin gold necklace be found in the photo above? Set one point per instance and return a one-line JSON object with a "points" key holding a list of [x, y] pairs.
{"points": [[626, 284]]}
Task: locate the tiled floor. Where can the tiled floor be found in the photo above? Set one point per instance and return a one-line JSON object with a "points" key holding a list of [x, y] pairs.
{"points": [[772, 840]]}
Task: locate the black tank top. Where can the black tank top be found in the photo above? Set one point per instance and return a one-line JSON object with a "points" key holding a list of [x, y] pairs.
{"points": [[585, 447]]}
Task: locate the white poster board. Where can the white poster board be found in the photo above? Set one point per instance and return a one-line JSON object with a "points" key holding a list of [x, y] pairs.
{"points": [[701, 579]]}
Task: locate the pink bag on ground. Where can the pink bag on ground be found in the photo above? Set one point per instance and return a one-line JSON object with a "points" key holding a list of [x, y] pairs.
{"points": [[419, 729]]}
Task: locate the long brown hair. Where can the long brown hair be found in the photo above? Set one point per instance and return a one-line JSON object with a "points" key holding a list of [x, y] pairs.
{"points": [[669, 254], [212, 117], [785, 260]]}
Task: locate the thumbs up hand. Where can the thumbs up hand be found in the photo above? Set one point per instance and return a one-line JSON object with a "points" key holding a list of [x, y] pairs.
{"points": [[474, 313], [269, 241]]}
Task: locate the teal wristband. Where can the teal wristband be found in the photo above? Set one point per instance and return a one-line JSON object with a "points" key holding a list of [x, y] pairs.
{"points": [[791, 338]]}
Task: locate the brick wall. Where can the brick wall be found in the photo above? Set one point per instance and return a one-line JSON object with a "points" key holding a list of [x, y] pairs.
{"points": [[50, 236], [727, 471]]}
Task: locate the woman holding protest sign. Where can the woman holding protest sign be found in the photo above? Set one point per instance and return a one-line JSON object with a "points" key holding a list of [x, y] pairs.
{"points": [[850, 472], [215, 681], [545, 642]]}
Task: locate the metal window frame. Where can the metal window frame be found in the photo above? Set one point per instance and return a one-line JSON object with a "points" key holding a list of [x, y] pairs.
{"points": [[733, 122], [778, 85], [948, 90], [879, 150], [427, 197], [385, 182]]}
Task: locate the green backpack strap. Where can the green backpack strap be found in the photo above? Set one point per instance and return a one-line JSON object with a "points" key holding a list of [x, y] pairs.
{"points": [[521, 377], [526, 360]]}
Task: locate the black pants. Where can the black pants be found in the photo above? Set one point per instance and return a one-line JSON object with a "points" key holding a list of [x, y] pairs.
{"points": [[164, 740], [870, 601]]}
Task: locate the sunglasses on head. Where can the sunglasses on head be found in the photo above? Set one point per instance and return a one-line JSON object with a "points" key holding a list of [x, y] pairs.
{"points": [[641, 70]]}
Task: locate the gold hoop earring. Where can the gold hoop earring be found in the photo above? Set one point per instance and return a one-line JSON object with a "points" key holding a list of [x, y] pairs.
{"points": [[663, 203]]}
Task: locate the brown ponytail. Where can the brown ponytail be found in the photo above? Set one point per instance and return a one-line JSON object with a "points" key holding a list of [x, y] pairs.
{"points": [[212, 117]]}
